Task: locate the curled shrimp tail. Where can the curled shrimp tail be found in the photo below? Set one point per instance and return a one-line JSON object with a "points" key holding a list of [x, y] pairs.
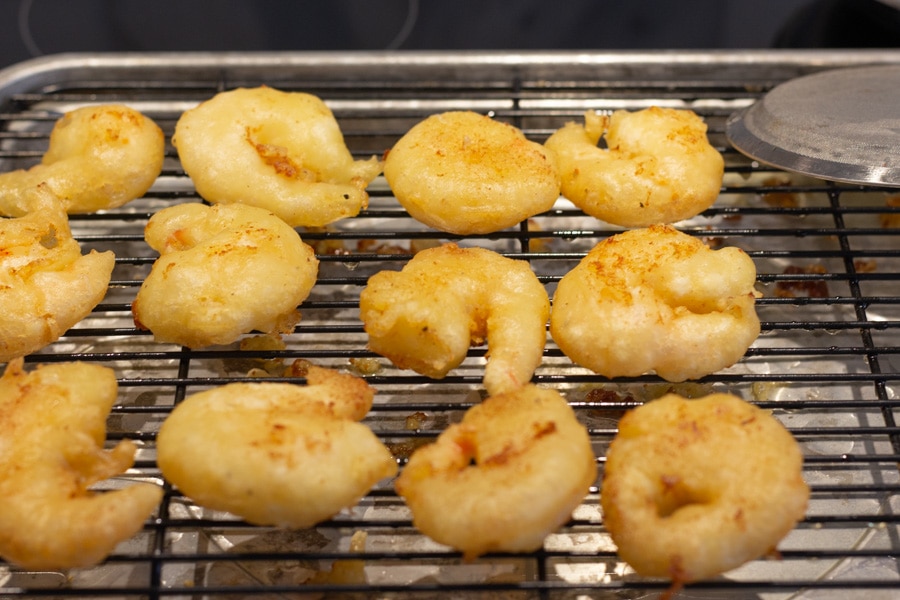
{"points": [[46, 284], [657, 166], [505, 477], [53, 427], [286, 153], [447, 299], [79, 532], [98, 157]]}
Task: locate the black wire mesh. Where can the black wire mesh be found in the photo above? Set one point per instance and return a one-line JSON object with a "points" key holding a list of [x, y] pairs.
{"points": [[826, 363]]}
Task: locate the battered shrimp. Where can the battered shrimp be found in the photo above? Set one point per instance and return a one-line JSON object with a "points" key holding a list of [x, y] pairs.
{"points": [[504, 478], [732, 490], [448, 298], [46, 284], [99, 157], [282, 151], [659, 300], [52, 430], [223, 271], [466, 173], [276, 453], [658, 166]]}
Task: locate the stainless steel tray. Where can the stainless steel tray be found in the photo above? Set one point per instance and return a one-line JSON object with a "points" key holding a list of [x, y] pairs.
{"points": [[828, 257]]}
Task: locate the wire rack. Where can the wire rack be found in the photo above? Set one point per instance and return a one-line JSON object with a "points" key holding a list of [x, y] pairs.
{"points": [[826, 363]]}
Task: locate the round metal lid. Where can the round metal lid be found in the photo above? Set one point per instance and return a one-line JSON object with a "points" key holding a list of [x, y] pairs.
{"points": [[841, 125]]}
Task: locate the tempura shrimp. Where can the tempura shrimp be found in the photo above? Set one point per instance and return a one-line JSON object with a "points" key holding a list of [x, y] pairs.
{"points": [[223, 271], [46, 284], [99, 157], [467, 173], [505, 477], [694, 488], [658, 300], [282, 151], [658, 166], [446, 299], [52, 431], [276, 453]]}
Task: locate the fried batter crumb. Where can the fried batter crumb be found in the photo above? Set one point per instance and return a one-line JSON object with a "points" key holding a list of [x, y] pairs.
{"points": [[780, 199], [810, 288], [891, 220], [373, 246], [865, 266], [366, 366]]}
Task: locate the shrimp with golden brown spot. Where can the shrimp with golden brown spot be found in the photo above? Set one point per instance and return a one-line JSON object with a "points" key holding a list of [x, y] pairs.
{"points": [[656, 299], [46, 284], [52, 430], [445, 299], [276, 453], [99, 157], [223, 271], [694, 488], [282, 151], [658, 166], [467, 173], [505, 477]]}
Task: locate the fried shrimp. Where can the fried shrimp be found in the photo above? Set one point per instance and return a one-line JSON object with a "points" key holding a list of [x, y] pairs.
{"points": [[466, 173], [658, 166], [446, 299], [276, 453], [99, 157], [46, 284], [52, 430], [694, 488], [658, 300], [504, 478], [282, 151], [223, 271]]}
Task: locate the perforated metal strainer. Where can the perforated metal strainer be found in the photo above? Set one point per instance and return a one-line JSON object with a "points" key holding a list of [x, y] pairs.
{"points": [[840, 125]]}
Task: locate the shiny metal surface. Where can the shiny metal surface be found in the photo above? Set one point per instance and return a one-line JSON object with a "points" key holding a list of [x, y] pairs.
{"points": [[840, 125]]}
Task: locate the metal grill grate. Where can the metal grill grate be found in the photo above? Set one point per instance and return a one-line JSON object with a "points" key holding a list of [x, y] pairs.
{"points": [[827, 364]]}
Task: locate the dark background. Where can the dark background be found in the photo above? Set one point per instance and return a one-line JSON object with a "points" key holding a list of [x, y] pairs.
{"points": [[34, 27]]}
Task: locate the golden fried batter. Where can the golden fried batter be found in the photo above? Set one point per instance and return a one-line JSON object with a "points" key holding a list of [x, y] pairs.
{"points": [[694, 488], [282, 151], [656, 299], [505, 477], [466, 173], [426, 316], [52, 430], [276, 453], [46, 284], [658, 166], [99, 157], [223, 271]]}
